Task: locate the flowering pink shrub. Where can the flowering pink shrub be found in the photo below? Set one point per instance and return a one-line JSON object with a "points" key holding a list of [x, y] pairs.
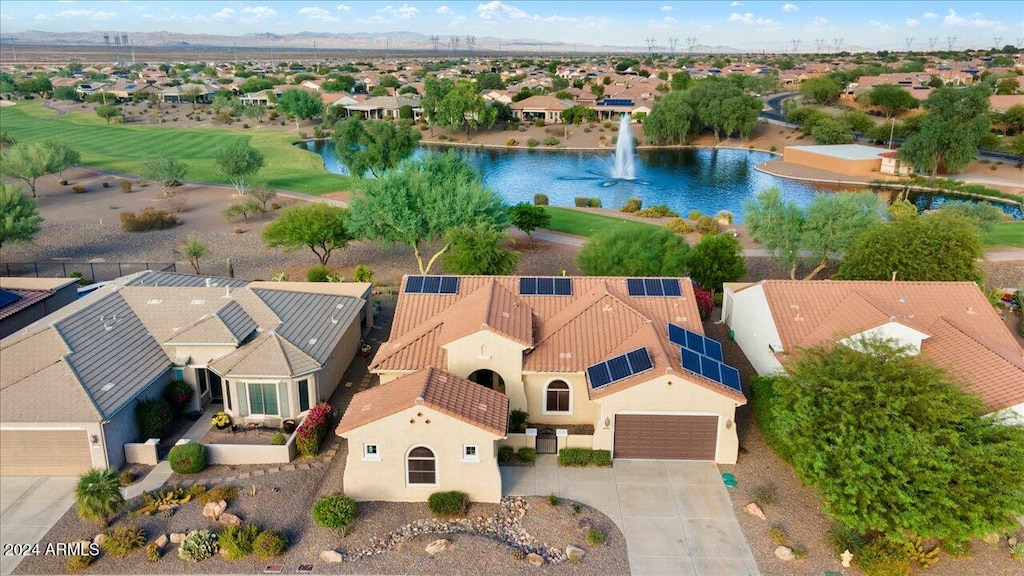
{"points": [[313, 429], [705, 302]]}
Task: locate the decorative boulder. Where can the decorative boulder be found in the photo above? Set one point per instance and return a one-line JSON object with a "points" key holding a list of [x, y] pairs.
{"points": [[213, 510], [574, 552], [754, 510], [177, 537], [99, 539], [437, 546], [228, 519], [331, 557], [785, 554], [535, 559], [161, 541], [991, 538], [584, 525]]}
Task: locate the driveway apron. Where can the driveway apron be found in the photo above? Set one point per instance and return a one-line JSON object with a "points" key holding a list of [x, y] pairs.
{"points": [[676, 516], [29, 507]]}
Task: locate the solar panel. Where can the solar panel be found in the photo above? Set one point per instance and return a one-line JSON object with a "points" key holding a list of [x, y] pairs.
{"points": [[432, 285], [563, 286], [701, 344], [619, 367], [691, 361], [635, 286], [545, 286], [527, 286], [653, 287], [7, 298], [711, 369], [671, 287]]}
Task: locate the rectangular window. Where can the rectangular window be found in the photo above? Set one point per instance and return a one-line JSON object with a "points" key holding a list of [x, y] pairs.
{"points": [[179, 373], [370, 452], [470, 453], [263, 398], [227, 395], [203, 380], [303, 395]]}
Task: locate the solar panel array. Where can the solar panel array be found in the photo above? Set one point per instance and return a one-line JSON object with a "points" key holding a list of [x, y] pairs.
{"points": [[619, 368], [432, 285], [653, 287], [703, 356], [545, 286], [7, 298]]}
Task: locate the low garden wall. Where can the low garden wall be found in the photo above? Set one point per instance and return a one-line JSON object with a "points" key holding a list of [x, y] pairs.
{"points": [[142, 453], [519, 440], [234, 454]]}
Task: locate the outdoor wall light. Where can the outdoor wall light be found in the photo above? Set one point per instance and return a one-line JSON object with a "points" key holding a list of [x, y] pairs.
{"points": [[607, 423], [94, 439], [728, 424]]}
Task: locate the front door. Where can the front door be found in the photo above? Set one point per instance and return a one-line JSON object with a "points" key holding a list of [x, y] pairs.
{"points": [[547, 441]]}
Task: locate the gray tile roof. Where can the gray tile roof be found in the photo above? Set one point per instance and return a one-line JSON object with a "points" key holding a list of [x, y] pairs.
{"points": [[237, 320], [112, 353], [176, 279], [312, 322]]}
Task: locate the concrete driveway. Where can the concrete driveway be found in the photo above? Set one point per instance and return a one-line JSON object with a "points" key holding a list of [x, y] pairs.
{"points": [[676, 516], [29, 507]]}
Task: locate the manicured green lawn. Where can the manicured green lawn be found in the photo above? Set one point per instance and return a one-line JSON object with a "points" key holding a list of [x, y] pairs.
{"points": [[1006, 234], [121, 147], [581, 223]]}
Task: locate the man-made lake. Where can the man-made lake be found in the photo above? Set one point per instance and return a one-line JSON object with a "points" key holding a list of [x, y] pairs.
{"points": [[702, 179]]}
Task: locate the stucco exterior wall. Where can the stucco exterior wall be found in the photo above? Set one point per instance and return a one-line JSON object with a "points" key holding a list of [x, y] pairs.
{"points": [[122, 427], [583, 410], [385, 479], [670, 395], [754, 328], [329, 376], [487, 350], [830, 163], [99, 454]]}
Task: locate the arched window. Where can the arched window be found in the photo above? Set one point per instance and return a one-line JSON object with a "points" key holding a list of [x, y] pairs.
{"points": [[557, 397], [421, 466]]}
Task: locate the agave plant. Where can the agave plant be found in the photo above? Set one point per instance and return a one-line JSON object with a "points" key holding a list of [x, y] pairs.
{"points": [[98, 495]]}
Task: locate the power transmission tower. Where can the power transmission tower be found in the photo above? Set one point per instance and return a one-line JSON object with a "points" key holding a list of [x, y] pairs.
{"points": [[650, 46], [453, 45], [909, 40], [996, 41], [434, 40], [819, 43], [838, 43], [950, 41], [117, 49], [932, 40], [125, 47], [796, 45], [672, 42], [470, 44], [691, 43]]}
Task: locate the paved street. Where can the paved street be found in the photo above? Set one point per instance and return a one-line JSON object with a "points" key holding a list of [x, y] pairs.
{"points": [[676, 516]]}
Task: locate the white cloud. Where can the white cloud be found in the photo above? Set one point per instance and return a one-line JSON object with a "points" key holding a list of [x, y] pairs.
{"points": [[318, 14], [342, 7], [881, 26], [375, 19], [495, 9], [751, 20], [97, 16], [443, 10], [667, 8], [403, 12], [910, 22], [819, 21], [976, 20], [954, 19], [224, 14], [735, 3], [458, 21], [929, 15], [790, 7], [257, 14], [664, 23], [102, 16]]}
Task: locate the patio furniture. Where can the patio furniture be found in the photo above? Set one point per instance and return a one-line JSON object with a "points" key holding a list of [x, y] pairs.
{"points": [[254, 424]]}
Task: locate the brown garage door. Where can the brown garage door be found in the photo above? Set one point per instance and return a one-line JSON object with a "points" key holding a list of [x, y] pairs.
{"points": [[44, 452], [665, 437]]}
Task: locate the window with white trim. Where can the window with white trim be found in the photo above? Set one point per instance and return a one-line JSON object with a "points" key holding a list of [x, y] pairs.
{"points": [[263, 398], [470, 453], [421, 466], [371, 452], [557, 397]]}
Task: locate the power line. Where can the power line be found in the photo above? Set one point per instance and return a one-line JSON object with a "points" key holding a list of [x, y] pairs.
{"points": [[672, 42], [819, 44], [950, 41], [909, 40], [932, 40], [691, 42], [838, 43], [796, 45], [434, 40], [996, 41], [650, 46]]}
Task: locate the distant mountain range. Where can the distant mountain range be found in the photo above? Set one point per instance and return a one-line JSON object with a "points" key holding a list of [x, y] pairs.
{"points": [[336, 41]]}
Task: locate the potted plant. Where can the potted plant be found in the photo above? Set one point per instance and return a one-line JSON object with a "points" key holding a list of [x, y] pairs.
{"points": [[221, 421], [288, 426]]}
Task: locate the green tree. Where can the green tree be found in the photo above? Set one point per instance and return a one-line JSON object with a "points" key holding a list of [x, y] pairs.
{"points": [[166, 171], [192, 94], [716, 259], [1016, 147], [59, 157], [670, 121], [891, 99], [388, 81], [193, 250], [420, 201], [933, 247], [639, 251], [108, 112], [478, 251], [300, 105], [681, 80], [373, 146], [821, 90], [19, 218], [238, 161], [434, 91], [65, 93], [528, 217], [226, 104], [489, 81], [39, 85], [896, 446], [255, 112], [98, 495], [462, 107], [578, 114], [832, 130], [1013, 118], [951, 130], [338, 83], [597, 90], [720, 106], [25, 162], [1008, 85], [318, 226]]}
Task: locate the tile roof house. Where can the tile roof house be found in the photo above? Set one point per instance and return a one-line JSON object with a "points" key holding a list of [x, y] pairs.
{"points": [[599, 356], [266, 350], [543, 107], [25, 300], [949, 323]]}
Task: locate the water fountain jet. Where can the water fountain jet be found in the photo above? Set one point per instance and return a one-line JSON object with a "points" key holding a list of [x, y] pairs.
{"points": [[625, 156]]}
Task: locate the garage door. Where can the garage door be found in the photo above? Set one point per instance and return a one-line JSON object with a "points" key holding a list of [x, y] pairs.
{"points": [[665, 437], [44, 452]]}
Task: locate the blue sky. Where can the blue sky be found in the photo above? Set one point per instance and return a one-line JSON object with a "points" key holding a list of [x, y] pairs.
{"points": [[741, 24]]}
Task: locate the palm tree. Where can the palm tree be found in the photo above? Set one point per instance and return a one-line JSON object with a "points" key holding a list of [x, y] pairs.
{"points": [[98, 495]]}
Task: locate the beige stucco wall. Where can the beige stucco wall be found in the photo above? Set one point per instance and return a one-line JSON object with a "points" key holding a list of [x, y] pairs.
{"points": [[395, 435], [832, 164], [670, 395], [754, 328], [328, 378], [485, 349], [583, 410]]}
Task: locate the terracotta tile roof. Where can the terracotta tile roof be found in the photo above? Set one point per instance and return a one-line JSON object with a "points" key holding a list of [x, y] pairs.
{"points": [[598, 321], [964, 330], [441, 391], [26, 298]]}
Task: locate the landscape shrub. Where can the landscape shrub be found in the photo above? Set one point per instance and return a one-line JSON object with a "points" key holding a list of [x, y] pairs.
{"points": [[540, 199], [841, 538], [679, 226], [632, 205], [148, 219], [707, 225], [188, 458], [126, 186], [196, 490], [517, 420], [657, 211], [595, 537], [450, 504], [693, 215], [318, 273], [198, 545], [177, 203], [553, 499], [724, 216], [334, 512], [593, 202], [550, 141], [278, 439], [443, 138], [78, 189], [78, 563], [778, 536], [362, 273], [762, 402], [237, 541], [226, 493], [505, 454], [527, 454], [582, 457], [269, 544], [127, 478], [705, 302], [511, 142], [177, 394], [106, 184], [957, 548], [764, 496], [884, 558], [773, 148], [313, 429], [152, 552], [532, 142], [98, 495], [123, 540], [580, 201], [154, 417], [539, 122]]}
